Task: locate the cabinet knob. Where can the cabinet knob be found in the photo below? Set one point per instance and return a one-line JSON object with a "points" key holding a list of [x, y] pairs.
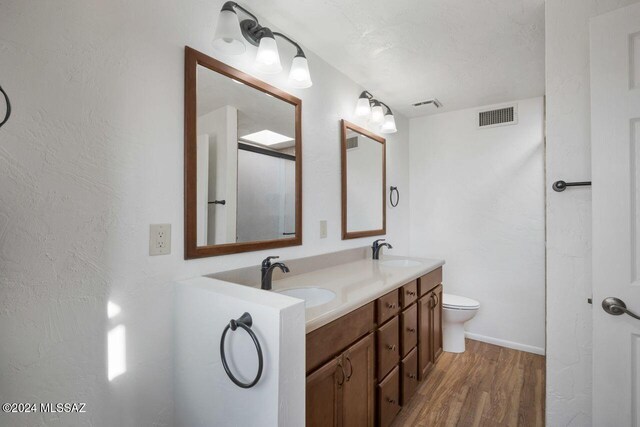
{"points": [[391, 401], [391, 347], [412, 330], [391, 305], [412, 376], [411, 293]]}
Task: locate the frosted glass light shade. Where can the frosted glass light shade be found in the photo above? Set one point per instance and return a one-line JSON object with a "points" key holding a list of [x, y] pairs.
{"points": [[268, 58], [363, 109], [299, 76], [389, 124], [377, 114], [228, 38]]}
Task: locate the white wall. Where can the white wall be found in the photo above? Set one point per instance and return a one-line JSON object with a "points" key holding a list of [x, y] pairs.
{"points": [[92, 155], [477, 200], [205, 398], [568, 157]]}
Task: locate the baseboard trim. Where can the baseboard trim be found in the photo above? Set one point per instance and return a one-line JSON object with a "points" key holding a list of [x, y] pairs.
{"points": [[505, 343]]}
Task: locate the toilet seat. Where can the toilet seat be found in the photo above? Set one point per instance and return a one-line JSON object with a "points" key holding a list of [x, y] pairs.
{"points": [[456, 302]]}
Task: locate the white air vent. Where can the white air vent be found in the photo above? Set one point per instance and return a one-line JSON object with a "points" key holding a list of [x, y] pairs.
{"points": [[498, 117], [352, 143]]}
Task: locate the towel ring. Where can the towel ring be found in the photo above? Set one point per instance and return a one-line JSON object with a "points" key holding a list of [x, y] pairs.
{"points": [[8, 113], [245, 323], [391, 196]]}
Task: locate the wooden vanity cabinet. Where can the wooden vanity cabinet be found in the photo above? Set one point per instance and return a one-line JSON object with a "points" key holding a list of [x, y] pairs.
{"points": [[362, 367], [340, 393]]}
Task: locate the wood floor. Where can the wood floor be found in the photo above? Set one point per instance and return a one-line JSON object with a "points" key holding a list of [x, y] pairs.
{"points": [[486, 385]]}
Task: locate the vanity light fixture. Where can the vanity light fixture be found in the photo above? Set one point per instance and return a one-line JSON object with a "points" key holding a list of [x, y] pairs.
{"points": [[232, 34], [374, 109]]}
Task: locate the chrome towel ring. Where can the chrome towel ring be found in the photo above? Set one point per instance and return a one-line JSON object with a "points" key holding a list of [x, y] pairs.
{"points": [[244, 322]]}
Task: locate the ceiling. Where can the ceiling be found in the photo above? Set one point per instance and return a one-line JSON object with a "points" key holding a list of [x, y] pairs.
{"points": [[465, 53]]}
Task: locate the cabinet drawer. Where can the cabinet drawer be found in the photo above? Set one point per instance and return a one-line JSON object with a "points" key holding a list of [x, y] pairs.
{"points": [[387, 306], [388, 347], [430, 281], [409, 294], [409, 328], [409, 375], [389, 398], [330, 340]]}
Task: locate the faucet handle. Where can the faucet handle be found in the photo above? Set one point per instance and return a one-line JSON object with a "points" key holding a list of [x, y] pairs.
{"points": [[267, 261], [375, 243]]}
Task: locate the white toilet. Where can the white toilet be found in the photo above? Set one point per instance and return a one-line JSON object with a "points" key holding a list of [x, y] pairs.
{"points": [[456, 310]]}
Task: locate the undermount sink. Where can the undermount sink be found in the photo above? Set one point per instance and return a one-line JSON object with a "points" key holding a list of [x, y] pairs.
{"points": [[312, 296], [400, 263]]}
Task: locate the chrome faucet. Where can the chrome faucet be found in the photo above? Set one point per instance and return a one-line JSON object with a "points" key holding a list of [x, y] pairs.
{"points": [[377, 246], [267, 271]]}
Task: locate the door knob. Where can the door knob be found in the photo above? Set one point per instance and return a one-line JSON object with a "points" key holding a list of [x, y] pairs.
{"points": [[617, 307]]}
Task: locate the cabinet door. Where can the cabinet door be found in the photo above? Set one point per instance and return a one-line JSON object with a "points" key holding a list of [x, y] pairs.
{"points": [[358, 388], [324, 395], [425, 335], [437, 322]]}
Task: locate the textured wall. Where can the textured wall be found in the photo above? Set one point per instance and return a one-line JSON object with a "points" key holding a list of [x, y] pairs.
{"points": [[477, 200], [569, 213], [91, 156]]}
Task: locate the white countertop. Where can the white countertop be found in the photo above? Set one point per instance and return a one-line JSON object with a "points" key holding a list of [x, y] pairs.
{"points": [[355, 284]]}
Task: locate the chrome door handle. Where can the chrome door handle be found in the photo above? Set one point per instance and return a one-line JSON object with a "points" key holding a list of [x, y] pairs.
{"points": [[617, 307]]}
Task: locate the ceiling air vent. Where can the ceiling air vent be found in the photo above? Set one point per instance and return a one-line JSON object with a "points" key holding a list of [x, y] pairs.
{"points": [[433, 101], [498, 117], [352, 143]]}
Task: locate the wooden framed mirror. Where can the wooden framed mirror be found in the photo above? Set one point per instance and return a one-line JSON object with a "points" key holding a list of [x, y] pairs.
{"points": [[364, 210], [242, 161]]}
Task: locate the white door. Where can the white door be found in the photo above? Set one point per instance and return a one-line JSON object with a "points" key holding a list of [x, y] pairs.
{"points": [[615, 139]]}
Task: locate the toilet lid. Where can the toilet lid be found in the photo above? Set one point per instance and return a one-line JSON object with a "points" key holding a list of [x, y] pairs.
{"points": [[458, 302]]}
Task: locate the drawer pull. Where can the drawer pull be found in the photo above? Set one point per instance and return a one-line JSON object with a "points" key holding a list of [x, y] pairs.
{"points": [[350, 368], [391, 305], [391, 347], [412, 330], [391, 401], [341, 378]]}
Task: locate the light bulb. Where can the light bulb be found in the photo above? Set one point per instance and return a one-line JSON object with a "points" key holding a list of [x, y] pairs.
{"points": [[377, 114], [228, 38], [389, 124], [363, 108], [267, 58], [299, 76]]}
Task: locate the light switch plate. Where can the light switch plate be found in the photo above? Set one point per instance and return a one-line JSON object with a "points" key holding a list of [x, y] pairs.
{"points": [[160, 239], [323, 229]]}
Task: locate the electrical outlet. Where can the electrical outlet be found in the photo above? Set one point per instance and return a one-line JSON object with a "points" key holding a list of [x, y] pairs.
{"points": [[323, 229], [160, 239]]}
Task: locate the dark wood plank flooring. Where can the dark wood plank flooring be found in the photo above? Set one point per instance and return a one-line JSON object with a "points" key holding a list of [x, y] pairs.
{"points": [[486, 385]]}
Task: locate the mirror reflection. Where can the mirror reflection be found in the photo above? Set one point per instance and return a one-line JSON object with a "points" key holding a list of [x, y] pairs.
{"points": [[364, 180], [246, 162]]}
